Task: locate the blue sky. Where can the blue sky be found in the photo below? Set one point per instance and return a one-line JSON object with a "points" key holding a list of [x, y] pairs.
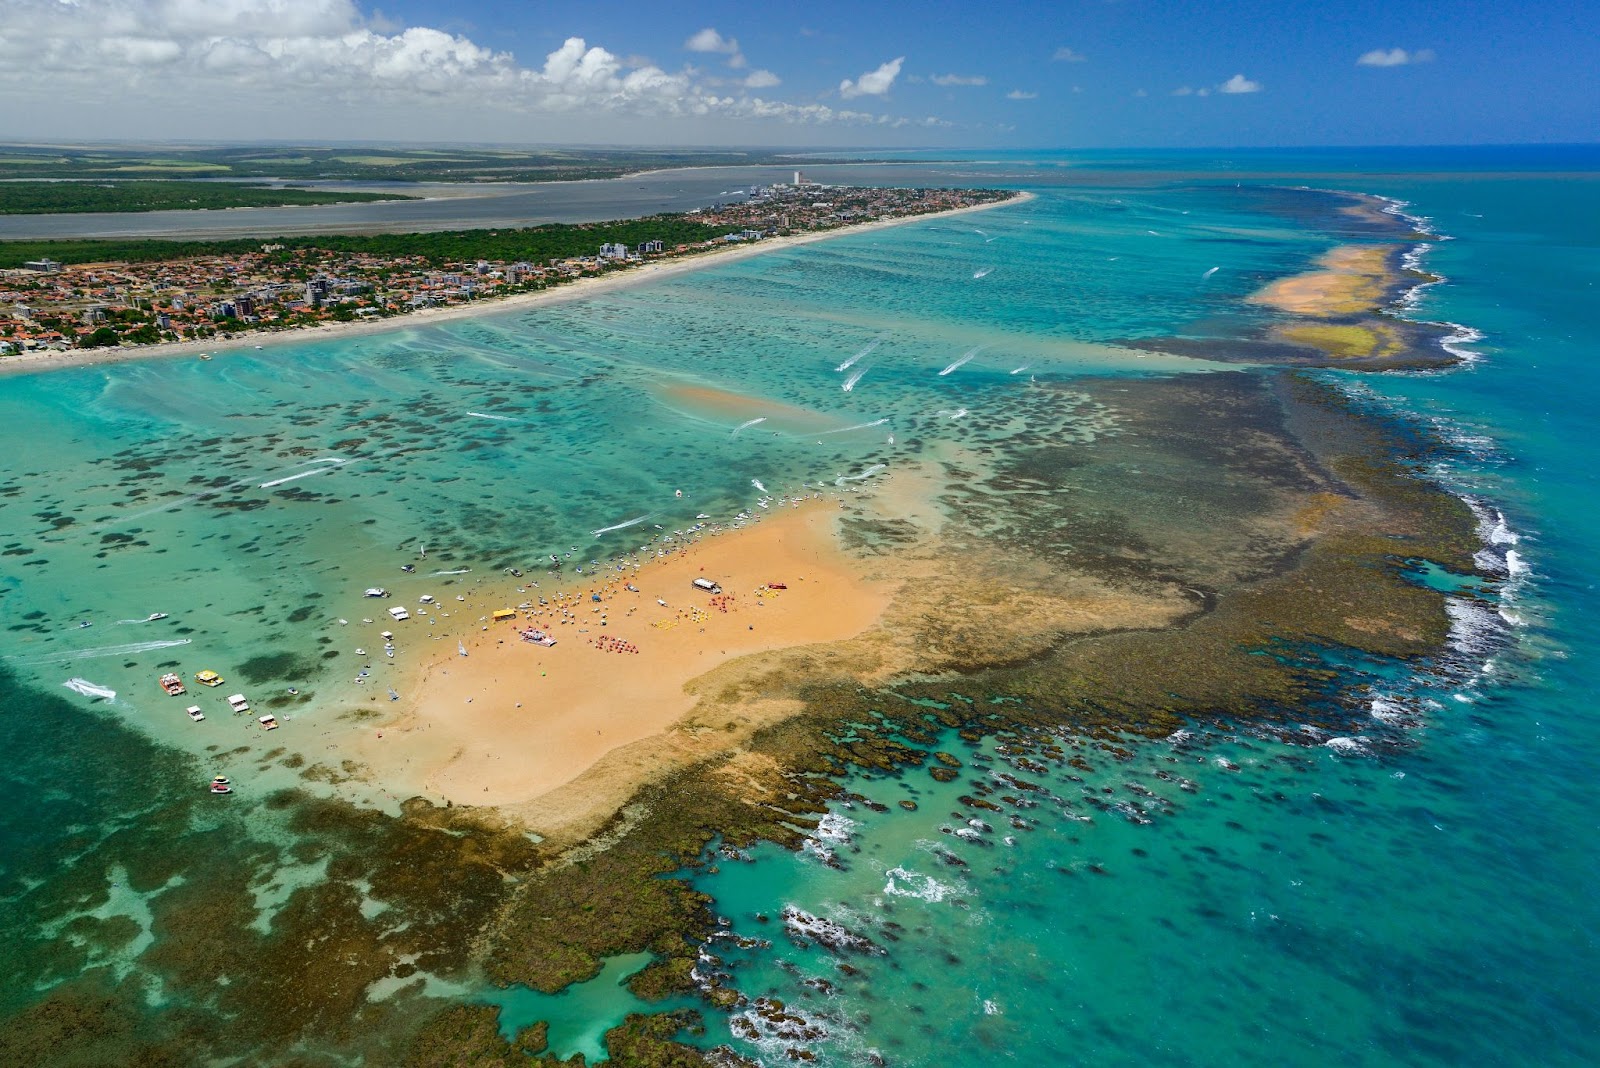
{"points": [[1070, 74]]}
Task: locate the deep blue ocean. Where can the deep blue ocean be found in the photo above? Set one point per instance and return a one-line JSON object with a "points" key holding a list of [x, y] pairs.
{"points": [[1432, 903]]}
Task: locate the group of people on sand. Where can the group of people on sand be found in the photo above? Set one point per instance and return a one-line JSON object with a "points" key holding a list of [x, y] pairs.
{"points": [[607, 644]]}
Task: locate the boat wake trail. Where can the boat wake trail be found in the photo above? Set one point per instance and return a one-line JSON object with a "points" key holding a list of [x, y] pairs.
{"points": [[969, 354], [858, 426], [952, 413], [1209, 273], [129, 649], [864, 352], [295, 478], [983, 272], [497, 418], [457, 571], [747, 425], [635, 521], [329, 463], [868, 473], [90, 689], [756, 482], [850, 383]]}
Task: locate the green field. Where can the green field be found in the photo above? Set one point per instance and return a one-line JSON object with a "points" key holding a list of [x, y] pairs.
{"points": [[534, 244], [51, 198]]}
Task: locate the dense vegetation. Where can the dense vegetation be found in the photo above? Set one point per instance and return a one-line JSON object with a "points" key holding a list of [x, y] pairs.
{"points": [[40, 198], [534, 244], [365, 163]]}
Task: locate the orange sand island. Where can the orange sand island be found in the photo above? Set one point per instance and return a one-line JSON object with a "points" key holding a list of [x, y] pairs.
{"points": [[513, 722]]}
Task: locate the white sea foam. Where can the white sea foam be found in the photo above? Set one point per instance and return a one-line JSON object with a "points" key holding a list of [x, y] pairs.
{"points": [[864, 352], [635, 521], [129, 649], [903, 882], [969, 354], [747, 424], [90, 689], [756, 482]]}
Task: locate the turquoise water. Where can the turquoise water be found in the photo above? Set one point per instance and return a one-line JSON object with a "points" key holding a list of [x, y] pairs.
{"points": [[1431, 905], [1428, 903]]}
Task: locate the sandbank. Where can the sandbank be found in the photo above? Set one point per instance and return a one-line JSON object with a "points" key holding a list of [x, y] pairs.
{"points": [[512, 722], [1353, 279], [578, 289]]}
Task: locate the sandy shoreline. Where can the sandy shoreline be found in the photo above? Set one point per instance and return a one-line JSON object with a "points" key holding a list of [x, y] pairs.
{"points": [[575, 290]]}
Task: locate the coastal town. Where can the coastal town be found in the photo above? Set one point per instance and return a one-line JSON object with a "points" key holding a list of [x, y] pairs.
{"points": [[280, 285]]}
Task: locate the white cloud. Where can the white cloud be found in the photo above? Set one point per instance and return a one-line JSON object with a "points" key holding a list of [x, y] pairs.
{"points": [[959, 79], [1183, 90], [1020, 94], [709, 40], [1394, 57], [1067, 55], [320, 68], [873, 82], [1239, 84]]}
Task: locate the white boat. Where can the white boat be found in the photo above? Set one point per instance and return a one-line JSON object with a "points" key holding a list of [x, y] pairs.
{"points": [[195, 713], [268, 722], [238, 703], [388, 651], [461, 647], [153, 616], [399, 614], [426, 598], [376, 591], [221, 785]]}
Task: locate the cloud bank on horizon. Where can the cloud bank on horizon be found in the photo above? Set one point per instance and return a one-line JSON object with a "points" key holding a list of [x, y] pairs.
{"points": [[636, 72]]}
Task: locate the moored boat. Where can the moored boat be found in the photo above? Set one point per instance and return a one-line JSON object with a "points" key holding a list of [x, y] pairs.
{"points": [[209, 678], [194, 713], [221, 785], [172, 684]]}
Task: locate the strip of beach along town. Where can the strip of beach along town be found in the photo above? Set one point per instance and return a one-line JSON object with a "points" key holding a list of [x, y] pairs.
{"points": [[59, 298]]}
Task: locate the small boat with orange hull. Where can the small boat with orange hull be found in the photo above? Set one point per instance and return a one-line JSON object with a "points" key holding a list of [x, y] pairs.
{"points": [[172, 685]]}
